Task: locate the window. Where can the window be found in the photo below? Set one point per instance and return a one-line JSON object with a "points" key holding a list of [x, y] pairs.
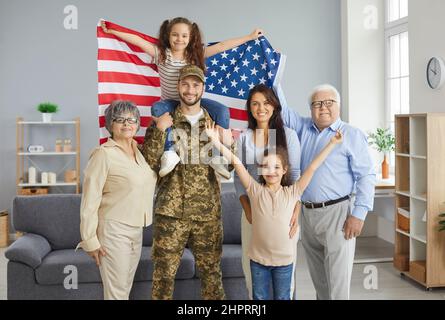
{"points": [[396, 10], [397, 61]]}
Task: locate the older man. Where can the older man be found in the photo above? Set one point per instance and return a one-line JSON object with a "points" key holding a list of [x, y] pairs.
{"points": [[188, 204], [332, 217]]}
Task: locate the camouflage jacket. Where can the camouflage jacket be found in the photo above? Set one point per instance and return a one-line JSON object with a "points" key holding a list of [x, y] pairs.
{"points": [[192, 190]]}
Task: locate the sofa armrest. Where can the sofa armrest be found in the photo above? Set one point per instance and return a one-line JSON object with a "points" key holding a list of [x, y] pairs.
{"points": [[29, 249]]}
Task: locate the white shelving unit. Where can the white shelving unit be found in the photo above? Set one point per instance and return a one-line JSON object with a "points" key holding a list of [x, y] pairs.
{"points": [[420, 196], [24, 158], [46, 123], [47, 153]]}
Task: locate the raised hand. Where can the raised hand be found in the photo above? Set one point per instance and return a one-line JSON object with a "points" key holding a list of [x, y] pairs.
{"points": [[212, 131], [163, 122], [225, 135], [338, 138], [256, 33], [103, 24]]}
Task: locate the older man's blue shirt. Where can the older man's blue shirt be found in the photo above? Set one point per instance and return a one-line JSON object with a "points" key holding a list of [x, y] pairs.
{"points": [[348, 169]]}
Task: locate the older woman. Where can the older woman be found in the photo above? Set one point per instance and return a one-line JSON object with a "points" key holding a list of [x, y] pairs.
{"points": [[117, 201], [265, 129]]}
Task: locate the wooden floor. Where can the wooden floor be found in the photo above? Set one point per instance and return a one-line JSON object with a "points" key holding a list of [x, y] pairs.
{"points": [[390, 285]]}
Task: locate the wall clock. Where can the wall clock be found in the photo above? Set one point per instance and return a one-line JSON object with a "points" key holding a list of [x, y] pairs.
{"points": [[435, 72]]}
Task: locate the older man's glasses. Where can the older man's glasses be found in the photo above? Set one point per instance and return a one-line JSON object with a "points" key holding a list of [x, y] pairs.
{"points": [[318, 104], [122, 120]]}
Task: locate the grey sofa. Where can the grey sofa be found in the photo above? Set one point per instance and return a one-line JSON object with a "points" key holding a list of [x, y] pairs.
{"points": [[42, 259]]}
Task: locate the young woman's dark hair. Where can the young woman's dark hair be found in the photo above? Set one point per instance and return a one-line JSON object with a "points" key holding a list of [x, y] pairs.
{"points": [[275, 122], [284, 157], [194, 53]]}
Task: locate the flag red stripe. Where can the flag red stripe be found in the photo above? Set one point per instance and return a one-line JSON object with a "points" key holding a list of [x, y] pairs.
{"points": [[140, 140], [115, 55], [133, 48], [131, 78], [107, 98], [238, 114]]}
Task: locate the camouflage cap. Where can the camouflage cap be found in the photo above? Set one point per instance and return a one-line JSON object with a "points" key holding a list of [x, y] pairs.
{"points": [[191, 70]]}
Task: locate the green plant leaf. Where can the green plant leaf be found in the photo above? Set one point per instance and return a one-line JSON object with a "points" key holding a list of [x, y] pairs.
{"points": [[382, 139], [47, 107]]}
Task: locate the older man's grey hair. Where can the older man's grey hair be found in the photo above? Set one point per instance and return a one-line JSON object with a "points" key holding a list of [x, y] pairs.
{"points": [[325, 88], [118, 108]]}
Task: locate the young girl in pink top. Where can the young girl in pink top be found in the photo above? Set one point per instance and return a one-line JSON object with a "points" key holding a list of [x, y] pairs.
{"points": [[273, 201]]}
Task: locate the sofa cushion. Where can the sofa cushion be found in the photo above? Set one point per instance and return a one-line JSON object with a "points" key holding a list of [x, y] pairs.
{"points": [[29, 249], [51, 271], [55, 217], [231, 214], [231, 265]]}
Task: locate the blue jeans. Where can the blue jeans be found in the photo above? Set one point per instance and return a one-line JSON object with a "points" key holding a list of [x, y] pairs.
{"points": [[217, 111], [263, 276]]}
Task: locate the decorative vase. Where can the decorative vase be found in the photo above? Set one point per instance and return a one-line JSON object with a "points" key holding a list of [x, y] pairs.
{"points": [[47, 116], [385, 167], [32, 174]]}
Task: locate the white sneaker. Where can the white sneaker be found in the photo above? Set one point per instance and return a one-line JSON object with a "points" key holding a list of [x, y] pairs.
{"points": [[219, 165], [169, 160]]}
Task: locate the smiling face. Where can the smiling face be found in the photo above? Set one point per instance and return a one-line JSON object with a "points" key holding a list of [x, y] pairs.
{"points": [[124, 130], [190, 90], [179, 37], [272, 169], [261, 109], [324, 116]]}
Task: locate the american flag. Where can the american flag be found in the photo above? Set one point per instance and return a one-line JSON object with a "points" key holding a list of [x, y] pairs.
{"points": [[126, 72]]}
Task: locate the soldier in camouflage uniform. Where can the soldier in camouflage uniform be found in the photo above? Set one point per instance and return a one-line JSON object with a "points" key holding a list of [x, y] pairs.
{"points": [[187, 206]]}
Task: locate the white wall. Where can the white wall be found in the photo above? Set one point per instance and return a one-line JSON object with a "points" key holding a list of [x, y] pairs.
{"points": [[426, 27], [363, 63], [363, 66], [363, 89]]}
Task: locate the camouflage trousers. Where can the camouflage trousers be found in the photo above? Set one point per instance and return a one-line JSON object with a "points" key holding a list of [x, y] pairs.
{"points": [[170, 236]]}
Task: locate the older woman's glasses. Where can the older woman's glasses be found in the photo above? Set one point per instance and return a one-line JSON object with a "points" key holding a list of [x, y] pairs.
{"points": [[122, 120], [318, 104]]}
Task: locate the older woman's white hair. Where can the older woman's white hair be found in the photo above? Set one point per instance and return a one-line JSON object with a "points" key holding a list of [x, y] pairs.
{"points": [[117, 109], [324, 88]]}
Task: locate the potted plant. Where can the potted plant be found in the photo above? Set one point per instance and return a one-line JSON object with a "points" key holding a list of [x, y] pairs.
{"points": [[47, 109], [384, 141]]}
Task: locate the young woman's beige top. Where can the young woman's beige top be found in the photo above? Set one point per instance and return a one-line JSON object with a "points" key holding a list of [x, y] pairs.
{"points": [[271, 214], [115, 187]]}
